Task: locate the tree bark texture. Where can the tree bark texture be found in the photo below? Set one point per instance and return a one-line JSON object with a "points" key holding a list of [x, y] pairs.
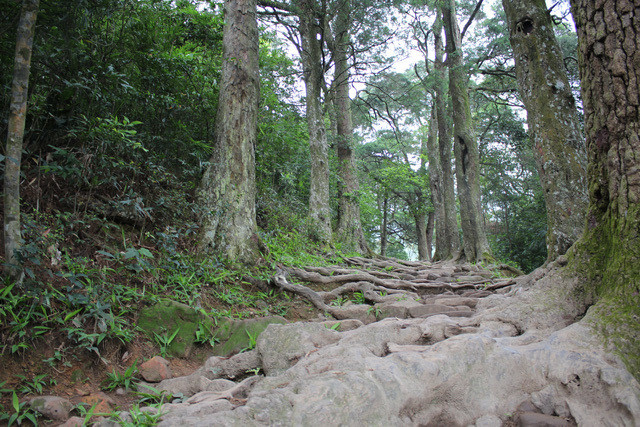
{"points": [[421, 231], [553, 121], [475, 243], [349, 231], [383, 227], [228, 189], [436, 185], [609, 252], [311, 56], [450, 239], [15, 134]]}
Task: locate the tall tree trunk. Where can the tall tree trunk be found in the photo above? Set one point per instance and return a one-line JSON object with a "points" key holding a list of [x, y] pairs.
{"points": [[475, 243], [553, 121], [383, 227], [15, 135], [430, 222], [421, 231], [436, 185], [450, 238], [349, 231], [608, 254], [311, 55], [228, 189]]}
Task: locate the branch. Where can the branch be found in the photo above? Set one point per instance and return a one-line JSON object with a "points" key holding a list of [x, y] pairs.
{"points": [[473, 15]]}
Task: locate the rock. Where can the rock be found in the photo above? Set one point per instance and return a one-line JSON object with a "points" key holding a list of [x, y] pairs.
{"points": [[527, 406], [232, 367], [423, 310], [430, 380], [343, 325], [155, 370], [476, 278], [488, 421], [167, 317], [102, 401], [52, 407], [362, 312], [281, 346], [458, 301], [535, 419], [73, 422], [238, 335], [398, 308]]}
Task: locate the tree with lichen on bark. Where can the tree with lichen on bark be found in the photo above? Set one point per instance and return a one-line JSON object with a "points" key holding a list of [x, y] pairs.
{"points": [[15, 136], [553, 121], [227, 191], [607, 257], [474, 238]]}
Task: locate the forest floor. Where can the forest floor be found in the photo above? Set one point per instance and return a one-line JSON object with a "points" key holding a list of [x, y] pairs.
{"points": [[360, 291]]}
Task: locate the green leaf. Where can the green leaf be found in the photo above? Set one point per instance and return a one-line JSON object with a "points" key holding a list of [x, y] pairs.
{"points": [[145, 252], [72, 314], [16, 403]]}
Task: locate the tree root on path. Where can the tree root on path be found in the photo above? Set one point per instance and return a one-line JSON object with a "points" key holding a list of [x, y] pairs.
{"points": [[239, 391]]}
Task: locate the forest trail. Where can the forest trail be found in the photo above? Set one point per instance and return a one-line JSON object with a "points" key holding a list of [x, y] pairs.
{"points": [[425, 344]]}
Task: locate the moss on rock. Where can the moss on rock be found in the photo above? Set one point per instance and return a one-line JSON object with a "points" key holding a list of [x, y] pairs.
{"points": [[238, 335], [167, 316]]}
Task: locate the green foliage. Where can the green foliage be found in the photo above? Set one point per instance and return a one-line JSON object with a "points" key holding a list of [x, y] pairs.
{"points": [[35, 385], [126, 379], [252, 342], [22, 412], [164, 340]]}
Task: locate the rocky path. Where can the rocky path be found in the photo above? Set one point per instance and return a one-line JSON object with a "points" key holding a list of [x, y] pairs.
{"points": [[429, 344]]}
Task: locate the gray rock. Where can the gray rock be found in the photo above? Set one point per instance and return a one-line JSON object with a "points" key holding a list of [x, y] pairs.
{"points": [[430, 379], [534, 419], [281, 346], [52, 407], [458, 301], [361, 312], [399, 309], [342, 325], [489, 420], [423, 310]]}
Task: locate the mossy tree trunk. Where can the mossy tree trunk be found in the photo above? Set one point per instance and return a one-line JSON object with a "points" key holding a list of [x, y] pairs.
{"points": [[449, 246], [553, 121], [311, 58], [349, 232], [228, 189], [15, 135], [474, 238], [609, 251]]}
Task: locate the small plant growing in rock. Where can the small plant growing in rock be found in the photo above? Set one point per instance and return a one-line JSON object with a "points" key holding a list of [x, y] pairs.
{"points": [[252, 342], [358, 298], [165, 340], [339, 301]]}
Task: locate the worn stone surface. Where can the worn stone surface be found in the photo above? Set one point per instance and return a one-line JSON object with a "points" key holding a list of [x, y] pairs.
{"points": [[52, 407], [434, 371], [360, 312], [423, 310], [155, 369], [398, 308], [534, 419]]}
